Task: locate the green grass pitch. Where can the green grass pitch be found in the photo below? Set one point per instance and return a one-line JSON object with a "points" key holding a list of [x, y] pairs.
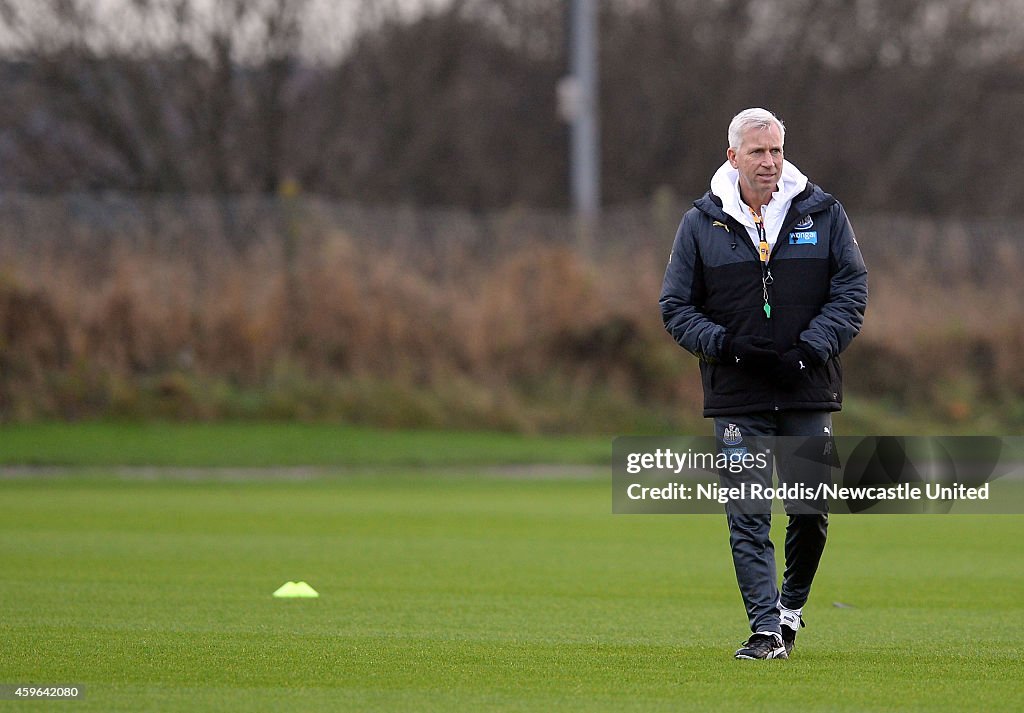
{"points": [[445, 590]]}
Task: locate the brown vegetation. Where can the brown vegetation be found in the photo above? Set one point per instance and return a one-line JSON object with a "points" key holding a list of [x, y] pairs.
{"points": [[400, 317]]}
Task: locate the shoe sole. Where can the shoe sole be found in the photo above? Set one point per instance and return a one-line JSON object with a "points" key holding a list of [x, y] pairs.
{"points": [[776, 654]]}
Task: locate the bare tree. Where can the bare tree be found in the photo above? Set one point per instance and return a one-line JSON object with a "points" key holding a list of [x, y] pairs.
{"points": [[172, 99], [455, 104]]}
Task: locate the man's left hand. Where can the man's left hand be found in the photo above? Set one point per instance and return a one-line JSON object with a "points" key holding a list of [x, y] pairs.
{"points": [[794, 366]]}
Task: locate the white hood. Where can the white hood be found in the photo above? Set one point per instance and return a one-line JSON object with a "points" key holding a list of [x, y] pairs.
{"points": [[725, 185]]}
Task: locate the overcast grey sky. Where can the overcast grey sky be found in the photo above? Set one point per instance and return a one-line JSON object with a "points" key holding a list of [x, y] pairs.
{"points": [[327, 29]]}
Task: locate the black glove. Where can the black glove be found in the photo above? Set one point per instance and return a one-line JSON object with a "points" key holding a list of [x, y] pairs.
{"points": [[794, 366], [749, 352]]}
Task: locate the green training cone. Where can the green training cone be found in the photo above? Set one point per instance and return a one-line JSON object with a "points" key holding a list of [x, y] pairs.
{"points": [[292, 590]]}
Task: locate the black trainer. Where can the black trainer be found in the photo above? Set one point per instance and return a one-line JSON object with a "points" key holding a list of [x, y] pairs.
{"points": [[763, 646], [789, 634]]}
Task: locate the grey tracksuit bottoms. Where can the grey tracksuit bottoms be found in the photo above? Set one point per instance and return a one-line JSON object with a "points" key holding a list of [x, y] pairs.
{"points": [[753, 553]]}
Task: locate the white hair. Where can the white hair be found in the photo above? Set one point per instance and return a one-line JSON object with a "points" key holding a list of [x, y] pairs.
{"points": [[752, 119]]}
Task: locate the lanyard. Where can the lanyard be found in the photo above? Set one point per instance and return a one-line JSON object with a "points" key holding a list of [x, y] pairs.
{"points": [[762, 236], [763, 252]]}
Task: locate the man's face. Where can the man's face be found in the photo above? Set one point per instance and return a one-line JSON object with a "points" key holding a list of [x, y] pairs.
{"points": [[758, 158]]}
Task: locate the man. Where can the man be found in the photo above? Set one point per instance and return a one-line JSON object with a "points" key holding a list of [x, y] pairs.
{"points": [[766, 286]]}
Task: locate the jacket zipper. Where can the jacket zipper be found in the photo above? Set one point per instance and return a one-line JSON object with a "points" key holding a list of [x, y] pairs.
{"points": [[786, 228]]}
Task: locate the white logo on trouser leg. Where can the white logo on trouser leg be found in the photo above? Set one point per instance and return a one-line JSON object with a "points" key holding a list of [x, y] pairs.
{"points": [[732, 436]]}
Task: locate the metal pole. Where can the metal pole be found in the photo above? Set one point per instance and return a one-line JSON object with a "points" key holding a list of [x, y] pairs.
{"points": [[585, 158]]}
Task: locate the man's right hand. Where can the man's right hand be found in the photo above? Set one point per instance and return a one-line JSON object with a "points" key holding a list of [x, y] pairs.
{"points": [[749, 352]]}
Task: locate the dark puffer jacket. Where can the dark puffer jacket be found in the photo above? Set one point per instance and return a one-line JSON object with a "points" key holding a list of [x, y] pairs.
{"points": [[818, 294]]}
